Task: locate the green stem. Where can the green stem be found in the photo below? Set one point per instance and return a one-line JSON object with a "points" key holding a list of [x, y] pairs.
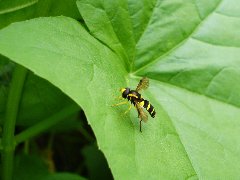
{"points": [[14, 96], [46, 124], [26, 147]]}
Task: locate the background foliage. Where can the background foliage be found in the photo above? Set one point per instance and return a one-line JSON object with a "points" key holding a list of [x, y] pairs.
{"points": [[188, 49]]}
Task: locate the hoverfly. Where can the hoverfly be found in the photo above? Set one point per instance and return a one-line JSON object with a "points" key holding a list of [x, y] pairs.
{"points": [[136, 99]]}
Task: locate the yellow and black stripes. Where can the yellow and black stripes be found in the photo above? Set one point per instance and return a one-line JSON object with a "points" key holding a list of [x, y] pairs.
{"points": [[149, 108], [136, 97]]}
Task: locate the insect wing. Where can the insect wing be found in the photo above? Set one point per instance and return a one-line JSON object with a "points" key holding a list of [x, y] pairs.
{"points": [[141, 113], [143, 84]]}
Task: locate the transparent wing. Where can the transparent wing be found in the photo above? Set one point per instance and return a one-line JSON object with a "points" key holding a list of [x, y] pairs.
{"points": [[141, 113], [143, 84]]}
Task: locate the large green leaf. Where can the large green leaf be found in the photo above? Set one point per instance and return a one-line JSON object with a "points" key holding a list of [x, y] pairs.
{"points": [[188, 49]]}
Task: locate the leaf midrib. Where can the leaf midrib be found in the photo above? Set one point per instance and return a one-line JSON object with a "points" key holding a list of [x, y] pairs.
{"points": [[194, 92]]}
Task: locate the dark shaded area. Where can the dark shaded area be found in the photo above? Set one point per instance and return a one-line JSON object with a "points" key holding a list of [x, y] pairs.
{"points": [[66, 150]]}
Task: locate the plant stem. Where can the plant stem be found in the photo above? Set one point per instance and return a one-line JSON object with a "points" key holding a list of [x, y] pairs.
{"points": [[46, 124], [14, 97]]}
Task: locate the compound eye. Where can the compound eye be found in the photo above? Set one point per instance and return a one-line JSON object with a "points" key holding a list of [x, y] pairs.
{"points": [[125, 92]]}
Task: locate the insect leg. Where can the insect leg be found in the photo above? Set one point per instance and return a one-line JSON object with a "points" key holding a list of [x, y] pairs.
{"points": [[130, 107], [121, 103], [141, 125], [119, 97]]}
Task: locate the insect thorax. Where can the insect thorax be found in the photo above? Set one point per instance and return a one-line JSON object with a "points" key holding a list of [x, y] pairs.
{"points": [[134, 96]]}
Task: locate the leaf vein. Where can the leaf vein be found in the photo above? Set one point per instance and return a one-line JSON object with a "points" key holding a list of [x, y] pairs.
{"points": [[181, 42]]}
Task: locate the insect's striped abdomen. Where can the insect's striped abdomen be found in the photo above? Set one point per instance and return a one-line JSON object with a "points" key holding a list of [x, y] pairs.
{"points": [[149, 108]]}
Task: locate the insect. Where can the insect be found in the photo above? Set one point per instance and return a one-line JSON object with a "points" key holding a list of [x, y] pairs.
{"points": [[136, 99]]}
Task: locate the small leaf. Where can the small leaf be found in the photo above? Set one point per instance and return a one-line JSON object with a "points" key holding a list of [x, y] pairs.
{"points": [[104, 24]]}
